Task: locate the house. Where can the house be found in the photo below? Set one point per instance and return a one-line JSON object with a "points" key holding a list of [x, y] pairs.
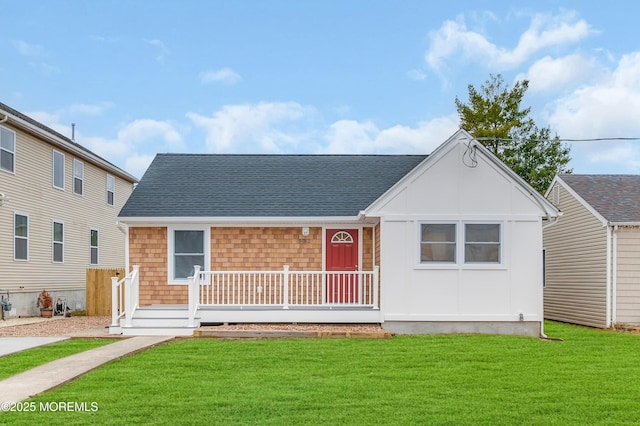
{"points": [[593, 251], [450, 242], [58, 208]]}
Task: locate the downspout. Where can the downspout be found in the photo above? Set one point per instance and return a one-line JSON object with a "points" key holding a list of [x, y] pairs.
{"points": [[614, 278], [608, 286]]}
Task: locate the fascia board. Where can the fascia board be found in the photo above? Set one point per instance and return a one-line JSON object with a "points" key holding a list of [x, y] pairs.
{"points": [[66, 145], [235, 221]]}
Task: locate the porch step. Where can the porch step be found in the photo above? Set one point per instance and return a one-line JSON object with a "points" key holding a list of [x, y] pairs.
{"points": [[158, 331]]}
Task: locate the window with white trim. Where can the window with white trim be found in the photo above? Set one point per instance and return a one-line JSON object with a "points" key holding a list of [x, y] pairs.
{"points": [[438, 243], [78, 177], [20, 237], [58, 170], [58, 242], [7, 150], [111, 189], [188, 250], [478, 243], [93, 249]]}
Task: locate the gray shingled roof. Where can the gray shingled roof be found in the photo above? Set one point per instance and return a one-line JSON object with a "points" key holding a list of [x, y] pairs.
{"points": [[211, 185], [615, 197]]}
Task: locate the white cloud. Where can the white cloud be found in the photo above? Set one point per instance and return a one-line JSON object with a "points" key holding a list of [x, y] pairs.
{"points": [[453, 39], [28, 49], [263, 127], [90, 110], [605, 109], [224, 75], [163, 51], [416, 75], [353, 137], [548, 74]]}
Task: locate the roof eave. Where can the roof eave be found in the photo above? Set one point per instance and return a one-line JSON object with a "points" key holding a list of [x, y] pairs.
{"points": [[240, 220]]}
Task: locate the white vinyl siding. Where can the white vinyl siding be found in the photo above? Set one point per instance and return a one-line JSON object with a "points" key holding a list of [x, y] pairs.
{"points": [[58, 170], [7, 150], [78, 177], [111, 190], [576, 268], [21, 237], [58, 242]]}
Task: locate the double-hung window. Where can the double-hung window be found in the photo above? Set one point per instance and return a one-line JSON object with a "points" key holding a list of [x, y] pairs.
{"points": [[438, 243], [93, 247], [481, 243], [7, 150], [78, 177], [58, 170], [460, 242], [20, 237], [188, 248], [111, 189], [58, 242]]}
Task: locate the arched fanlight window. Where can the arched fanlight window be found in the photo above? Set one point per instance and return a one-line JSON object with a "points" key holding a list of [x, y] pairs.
{"points": [[342, 237]]}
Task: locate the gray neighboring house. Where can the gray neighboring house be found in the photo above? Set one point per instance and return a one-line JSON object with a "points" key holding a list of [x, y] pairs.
{"points": [[593, 251]]}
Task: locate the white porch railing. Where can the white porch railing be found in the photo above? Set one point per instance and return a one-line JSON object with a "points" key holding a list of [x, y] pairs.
{"points": [[125, 297], [283, 288]]}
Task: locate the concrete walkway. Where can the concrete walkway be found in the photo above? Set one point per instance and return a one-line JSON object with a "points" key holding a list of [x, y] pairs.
{"points": [[58, 372], [9, 345]]}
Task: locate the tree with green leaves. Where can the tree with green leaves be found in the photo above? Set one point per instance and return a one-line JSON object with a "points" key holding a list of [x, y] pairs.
{"points": [[494, 116]]}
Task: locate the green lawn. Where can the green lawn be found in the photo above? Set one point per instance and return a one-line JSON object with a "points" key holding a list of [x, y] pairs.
{"points": [[592, 377], [25, 360]]}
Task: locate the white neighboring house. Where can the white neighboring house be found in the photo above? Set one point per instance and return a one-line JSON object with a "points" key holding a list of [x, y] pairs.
{"points": [[450, 242], [58, 210]]}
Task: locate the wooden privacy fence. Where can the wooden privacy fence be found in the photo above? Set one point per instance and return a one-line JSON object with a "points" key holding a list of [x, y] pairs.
{"points": [[98, 290]]}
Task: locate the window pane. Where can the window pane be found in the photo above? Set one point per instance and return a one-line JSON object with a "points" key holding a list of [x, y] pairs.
{"points": [[438, 252], [189, 242], [58, 232], [20, 248], [77, 186], [94, 255], [94, 238], [58, 170], [7, 140], [482, 253], [21, 226], [57, 252], [183, 265], [6, 161], [110, 198], [440, 232], [481, 233]]}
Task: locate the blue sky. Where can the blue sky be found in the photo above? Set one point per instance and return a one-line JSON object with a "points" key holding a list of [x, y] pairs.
{"points": [[317, 76]]}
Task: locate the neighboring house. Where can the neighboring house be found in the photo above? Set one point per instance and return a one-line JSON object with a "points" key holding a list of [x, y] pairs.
{"points": [[450, 242], [58, 209], [593, 251]]}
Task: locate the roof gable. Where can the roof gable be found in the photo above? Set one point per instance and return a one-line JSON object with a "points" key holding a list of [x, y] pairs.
{"points": [[615, 197], [227, 185]]}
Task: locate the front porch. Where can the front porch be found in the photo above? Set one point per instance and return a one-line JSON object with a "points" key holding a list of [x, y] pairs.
{"points": [[250, 297]]}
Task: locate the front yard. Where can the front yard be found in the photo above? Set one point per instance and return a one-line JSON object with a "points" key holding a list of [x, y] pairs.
{"points": [[589, 378]]}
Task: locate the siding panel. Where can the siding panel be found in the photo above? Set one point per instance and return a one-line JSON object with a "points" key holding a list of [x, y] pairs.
{"points": [[628, 276], [576, 265]]}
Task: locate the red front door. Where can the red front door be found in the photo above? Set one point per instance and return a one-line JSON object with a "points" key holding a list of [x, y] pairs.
{"points": [[342, 259]]}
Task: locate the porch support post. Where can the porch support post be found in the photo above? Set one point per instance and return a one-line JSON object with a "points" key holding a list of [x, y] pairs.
{"points": [[194, 290], [376, 289], [115, 302], [286, 287], [131, 282]]}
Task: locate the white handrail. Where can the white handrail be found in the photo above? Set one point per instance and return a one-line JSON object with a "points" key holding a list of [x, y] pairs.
{"points": [[194, 291], [125, 297]]}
